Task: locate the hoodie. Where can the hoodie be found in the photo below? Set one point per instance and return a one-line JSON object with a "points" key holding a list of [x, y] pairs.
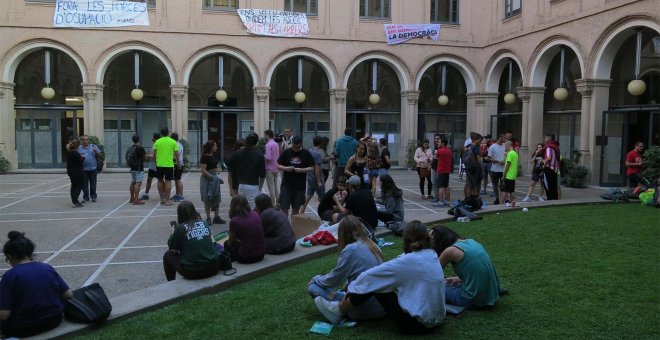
{"points": [[345, 148], [552, 158]]}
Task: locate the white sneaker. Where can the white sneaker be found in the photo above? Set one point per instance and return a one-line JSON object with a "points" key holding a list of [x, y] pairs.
{"points": [[329, 309], [541, 199], [526, 199], [508, 205]]}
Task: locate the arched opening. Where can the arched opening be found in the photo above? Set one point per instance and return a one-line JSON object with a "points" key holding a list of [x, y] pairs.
{"points": [[509, 105]]}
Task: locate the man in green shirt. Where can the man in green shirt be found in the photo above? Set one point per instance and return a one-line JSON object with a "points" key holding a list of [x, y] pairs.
{"points": [[166, 151], [507, 191]]}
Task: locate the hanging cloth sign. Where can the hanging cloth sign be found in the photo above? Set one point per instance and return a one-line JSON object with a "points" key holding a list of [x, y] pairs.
{"points": [[274, 23], [397, 34], [100, 13]]}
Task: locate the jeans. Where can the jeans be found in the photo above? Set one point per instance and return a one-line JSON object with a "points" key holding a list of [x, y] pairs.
{"points": [[89, 184], [273, 189], [434, 180], [454, 296], [315, 290], [371, 309]]}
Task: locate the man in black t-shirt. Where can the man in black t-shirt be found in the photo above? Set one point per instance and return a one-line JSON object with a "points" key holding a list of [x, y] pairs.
{"points": [[473, 176], [137, 170], [360, 203], [248, 165], [295, 162]]}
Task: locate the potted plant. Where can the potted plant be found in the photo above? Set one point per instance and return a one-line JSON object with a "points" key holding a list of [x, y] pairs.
{"points": [[576, 174], [5, 165], [652, 164], [410, 154]]}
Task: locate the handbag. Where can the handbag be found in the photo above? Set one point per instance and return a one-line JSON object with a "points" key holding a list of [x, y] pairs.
{"points": [[88, 305], [423, 172]]}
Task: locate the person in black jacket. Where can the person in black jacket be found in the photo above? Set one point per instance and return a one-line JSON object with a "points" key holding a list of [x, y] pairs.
{"points": [[74, 168]]}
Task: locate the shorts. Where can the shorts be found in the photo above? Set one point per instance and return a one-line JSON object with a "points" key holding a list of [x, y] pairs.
{"points": [[178, 171], [536, 174], [166, 173], [509, 185], [313, 187], [137, 176], [291, 198], [473, 180], [374, 173], [443, 180], [152, 173], [485, 168], [382, 171]]}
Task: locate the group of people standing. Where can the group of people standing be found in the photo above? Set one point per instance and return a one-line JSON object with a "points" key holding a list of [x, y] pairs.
{"points": [[82, 160]]}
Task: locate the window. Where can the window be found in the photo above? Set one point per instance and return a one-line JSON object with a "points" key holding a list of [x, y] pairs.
{"points": [[309, 7], [379, 9], [111, 124], [42, 124], [221, 5], [511, 7], [317, 126], [445, 11]]}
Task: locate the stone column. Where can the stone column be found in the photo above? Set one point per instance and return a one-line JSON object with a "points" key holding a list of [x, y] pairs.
{"points": [[480, 107], [586, 88], [7, 123], [409, 114], [261, 109], [180, 110], [337, 114], [600, 97], [532, 121], [93, 107]]}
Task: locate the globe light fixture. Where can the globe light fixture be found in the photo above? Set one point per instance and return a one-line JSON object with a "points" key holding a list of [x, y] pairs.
{"points": [[374, 98], [47, 93], [561, 93], [637, 86], [137, 95], [509, 98], [221, 95], [443, 100], [299, 97]]}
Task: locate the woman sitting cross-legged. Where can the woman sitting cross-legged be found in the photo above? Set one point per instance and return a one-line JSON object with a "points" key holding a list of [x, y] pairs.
{"points": [[246, 242], [192, 252], [410, 288], [32, 294], [477, 283], [357, 254], [391, 198], [279, 235]]}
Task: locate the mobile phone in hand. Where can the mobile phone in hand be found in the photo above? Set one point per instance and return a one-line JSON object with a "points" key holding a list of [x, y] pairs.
{"points": [[173, 224]]}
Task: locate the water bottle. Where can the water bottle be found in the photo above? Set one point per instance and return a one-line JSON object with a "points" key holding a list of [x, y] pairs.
{"points": [[463, 219]]}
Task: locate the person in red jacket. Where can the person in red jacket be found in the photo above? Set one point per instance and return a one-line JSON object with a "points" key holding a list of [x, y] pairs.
{"points": [[634, 163]]}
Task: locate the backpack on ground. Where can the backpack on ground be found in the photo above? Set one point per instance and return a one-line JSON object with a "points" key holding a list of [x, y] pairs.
{"points": [[132, 156], [469, 160], [615, 195], [473, 203], [88, 305]]}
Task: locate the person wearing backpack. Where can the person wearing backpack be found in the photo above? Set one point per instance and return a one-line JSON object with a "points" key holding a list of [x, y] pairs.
{"points": [[472, 160], [135, 156]]}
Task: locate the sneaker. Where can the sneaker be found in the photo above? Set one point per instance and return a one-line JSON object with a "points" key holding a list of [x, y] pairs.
{"points": [[507, 204], [329, 309], [93, 199], [435, 200], [541, 199], [178, 198], [208, 221], [436, 204], [77, 205], [218, 220], [144, 196], [526, 199], [444, 204], [85, 199], [138, 202]]}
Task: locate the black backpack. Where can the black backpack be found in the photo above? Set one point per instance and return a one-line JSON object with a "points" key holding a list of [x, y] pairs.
{"points": [[469, 159], [132, 156], [88, 305]]}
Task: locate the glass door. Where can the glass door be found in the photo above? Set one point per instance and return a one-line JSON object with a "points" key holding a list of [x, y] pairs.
{"points": [[42, 136], [612, 169]]}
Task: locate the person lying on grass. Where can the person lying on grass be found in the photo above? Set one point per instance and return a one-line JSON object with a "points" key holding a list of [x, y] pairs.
{"points": [[477, 284], [192, 252], [357, 254], [279, 235], [410, 288]]}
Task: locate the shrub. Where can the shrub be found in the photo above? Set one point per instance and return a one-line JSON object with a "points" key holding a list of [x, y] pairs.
{"points": [[95, 140], [576, 176], [652, 163], [5, 165]]}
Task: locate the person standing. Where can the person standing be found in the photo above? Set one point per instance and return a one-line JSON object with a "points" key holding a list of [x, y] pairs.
{"points": [[445, 160], [165, 152], [434, 174], [325, 164], [344, 148], [248, 167], [151, 174], [295, 162], [473, 174], [536, 161], [510, 174], [356, 165], [74, 168], [286, 139], [634, 164], [315, 180], [423, 156], [90, 152], [550, 166], [496, 154], [271, 154], [485, 164], [136, 156], [373, 166], [385, 162], [178, 171], [209, 183]]}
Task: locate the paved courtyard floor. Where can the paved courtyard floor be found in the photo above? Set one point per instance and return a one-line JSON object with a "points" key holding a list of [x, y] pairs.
{"points": [[121, 245]]}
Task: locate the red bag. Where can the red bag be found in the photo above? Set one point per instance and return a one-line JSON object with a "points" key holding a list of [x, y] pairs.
{"points": [[321, 237]]}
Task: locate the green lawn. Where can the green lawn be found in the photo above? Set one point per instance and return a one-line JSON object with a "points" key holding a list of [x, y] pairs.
{"points": [[576, 272]]}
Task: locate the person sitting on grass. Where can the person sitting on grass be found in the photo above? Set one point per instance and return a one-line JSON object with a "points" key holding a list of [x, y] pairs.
{"points": [[357, 254], [328, 208], [279, 235], [410, 288], [192, 252], [32, 294], [246, 242], [391, 198], [477, 284]]}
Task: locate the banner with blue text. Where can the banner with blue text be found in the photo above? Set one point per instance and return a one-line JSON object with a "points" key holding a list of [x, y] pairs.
{"points": [[397, 34], [100, 13]]}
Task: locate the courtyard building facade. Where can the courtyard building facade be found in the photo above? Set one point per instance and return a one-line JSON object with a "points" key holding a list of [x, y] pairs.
{"points": [[534, 67]]}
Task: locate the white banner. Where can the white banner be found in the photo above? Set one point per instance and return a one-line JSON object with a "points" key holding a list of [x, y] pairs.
{"points": [[397, 34], [274, 23], [100, 13]]}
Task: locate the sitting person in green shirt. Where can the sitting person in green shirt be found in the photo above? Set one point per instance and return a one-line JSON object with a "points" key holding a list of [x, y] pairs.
{"points": [[477, 283]]}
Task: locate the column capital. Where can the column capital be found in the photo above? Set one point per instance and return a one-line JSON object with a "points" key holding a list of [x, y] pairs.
{"points": [[526, 92], [90, 90], [262, 92], [179, 92], [586, 86], [338, 93], [482, 95], [5, 87], [412, 96]]}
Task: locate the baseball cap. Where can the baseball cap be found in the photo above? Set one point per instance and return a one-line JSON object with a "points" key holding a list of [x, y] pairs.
{"points": [[354, 181]]}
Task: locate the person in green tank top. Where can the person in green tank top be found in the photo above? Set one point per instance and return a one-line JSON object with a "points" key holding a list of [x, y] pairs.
{"points": [[477, 284]]}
